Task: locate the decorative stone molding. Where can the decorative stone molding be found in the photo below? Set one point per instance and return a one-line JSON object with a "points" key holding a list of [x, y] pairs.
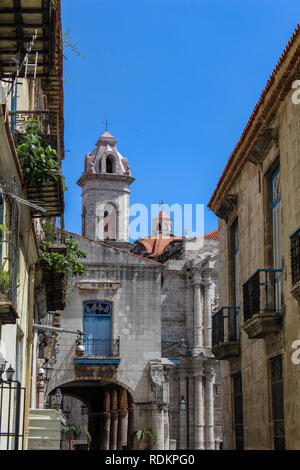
{"points": [[226, 351], [95, 285], [263, 143], [157, 378], [262, 325], [228, 204], [210, 376]]}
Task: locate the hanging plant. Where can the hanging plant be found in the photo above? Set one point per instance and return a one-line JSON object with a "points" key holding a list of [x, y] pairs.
{"points": [[64, 263], [39, 165]]}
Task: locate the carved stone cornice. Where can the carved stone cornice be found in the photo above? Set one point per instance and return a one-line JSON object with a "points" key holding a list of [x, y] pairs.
{"points": [[228, 204], [96, 285], [266, 138]]}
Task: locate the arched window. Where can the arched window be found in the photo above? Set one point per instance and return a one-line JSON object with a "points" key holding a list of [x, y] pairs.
{"points": [[109, 164], [109, 222]]}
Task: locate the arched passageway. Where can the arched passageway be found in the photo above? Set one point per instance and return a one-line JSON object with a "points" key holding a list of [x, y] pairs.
{"points": [[110, 411]]}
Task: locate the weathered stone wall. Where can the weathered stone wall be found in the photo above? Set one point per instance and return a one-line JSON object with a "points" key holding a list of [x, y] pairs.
{"points": [[99, 190], [178, 324], [254, 233], [136, 316]]}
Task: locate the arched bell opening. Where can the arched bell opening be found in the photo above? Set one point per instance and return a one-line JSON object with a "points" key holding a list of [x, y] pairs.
{"points": [[110, 222]]}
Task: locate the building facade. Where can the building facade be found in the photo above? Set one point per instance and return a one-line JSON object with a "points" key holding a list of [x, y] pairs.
{"points": [[189, 297], [28, 92], [146, 322], [256, 330]]}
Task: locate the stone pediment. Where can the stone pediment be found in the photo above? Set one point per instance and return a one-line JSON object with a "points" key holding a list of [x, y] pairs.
{"points": [[100, 253]]}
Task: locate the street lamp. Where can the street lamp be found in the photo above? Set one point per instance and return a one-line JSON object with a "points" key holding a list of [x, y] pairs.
{"points": [[56, 399], [45, 372], [48, 370], [44, 376], [182, 404], [80, 349], [10, 373]]}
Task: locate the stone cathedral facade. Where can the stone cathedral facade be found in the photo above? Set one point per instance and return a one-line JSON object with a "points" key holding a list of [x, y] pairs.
{"points": [[145, 310]]}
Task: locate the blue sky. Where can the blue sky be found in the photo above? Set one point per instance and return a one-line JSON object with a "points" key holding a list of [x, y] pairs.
{"points": [[178, 79]]}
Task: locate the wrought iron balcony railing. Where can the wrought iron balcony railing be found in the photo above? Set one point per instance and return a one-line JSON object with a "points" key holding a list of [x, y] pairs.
{"points": [[8, 273], [48, 122], [225, 325], [9, 250], [295, 256], [54, 235], [262, 293], [169, 348], [102, 347]]}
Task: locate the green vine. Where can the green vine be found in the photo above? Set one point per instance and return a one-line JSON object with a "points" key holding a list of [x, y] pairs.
{"points": [[39, 164], [64, 263]]}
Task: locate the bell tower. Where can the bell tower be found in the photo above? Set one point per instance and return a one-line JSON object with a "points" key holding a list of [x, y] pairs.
{"points": [[105, 186]]}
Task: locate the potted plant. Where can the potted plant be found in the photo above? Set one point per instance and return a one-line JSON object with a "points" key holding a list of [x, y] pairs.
{"points": [[75, 431], [145, 438]]}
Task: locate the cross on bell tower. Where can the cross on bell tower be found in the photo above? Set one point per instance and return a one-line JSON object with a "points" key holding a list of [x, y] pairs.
{"points": [[105, 191], [106, 124]]}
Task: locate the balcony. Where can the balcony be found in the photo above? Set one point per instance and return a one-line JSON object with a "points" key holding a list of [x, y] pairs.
{"points": [[22, 23], [226, 333], [102, 347], [295, 263], [55, 282], [48, 123], [173, 349], [262, 303], [49, 196], [8, 278], [100, 352]]}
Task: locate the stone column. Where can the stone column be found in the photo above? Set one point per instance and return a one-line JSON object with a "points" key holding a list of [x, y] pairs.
{"points": [[183, 413], [208, 318], [106, 418], [198, 410], [113, 430], [198, 318], [166, 428], [41, 394], [158, 426], [209, 410], [130, 425], [122, 429]]}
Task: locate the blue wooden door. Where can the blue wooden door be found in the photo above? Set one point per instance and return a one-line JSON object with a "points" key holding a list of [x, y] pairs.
{"points": [[97, 328]]}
